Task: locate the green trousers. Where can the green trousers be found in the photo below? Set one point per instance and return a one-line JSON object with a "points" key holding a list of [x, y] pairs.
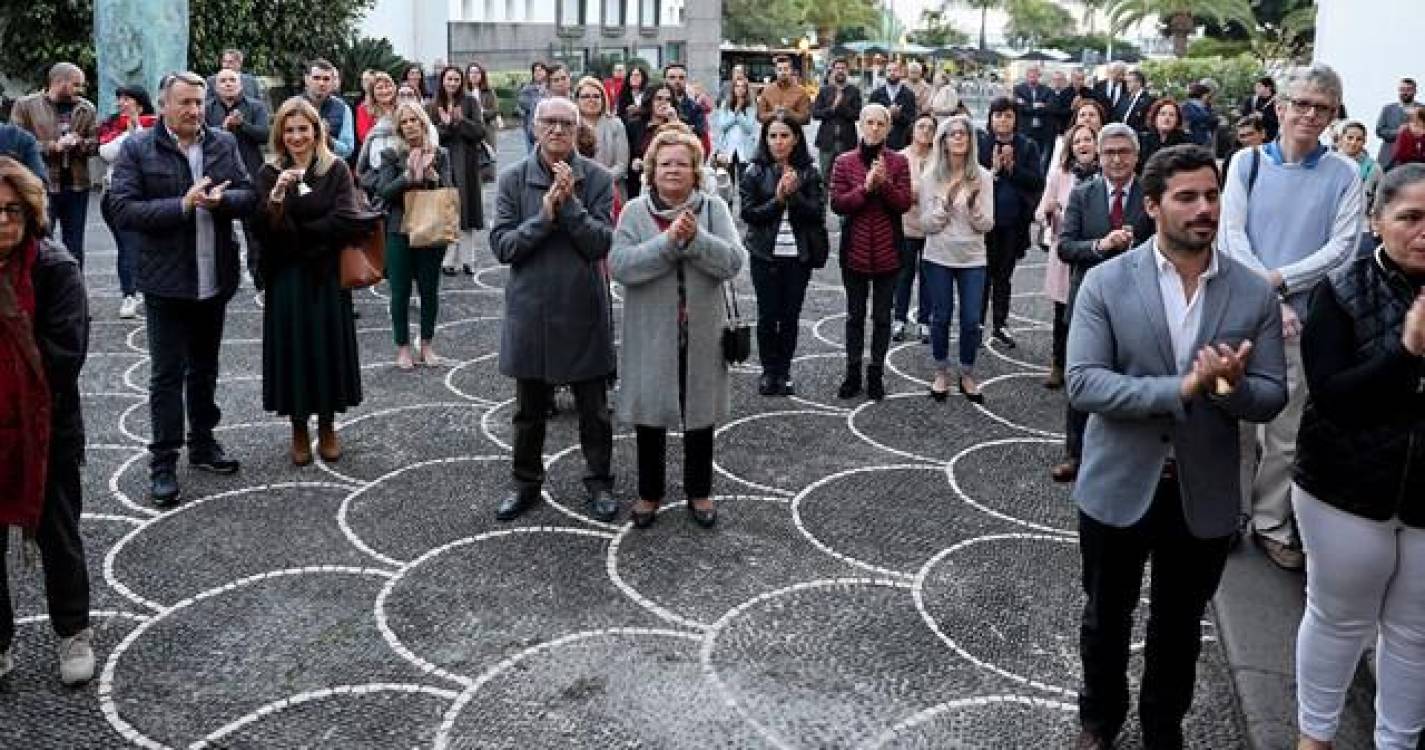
{"points": [[402, 262]]}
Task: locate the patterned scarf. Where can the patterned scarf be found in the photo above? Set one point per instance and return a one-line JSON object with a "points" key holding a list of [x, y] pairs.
{"points": [[24, 396]]}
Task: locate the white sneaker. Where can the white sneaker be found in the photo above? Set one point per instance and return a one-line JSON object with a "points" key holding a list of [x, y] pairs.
{"points": [[7, 662], [129, 307], [76, 658]]}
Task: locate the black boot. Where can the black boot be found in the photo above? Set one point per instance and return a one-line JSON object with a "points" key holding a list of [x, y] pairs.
{"points": [[875, 383], [851, 386]]}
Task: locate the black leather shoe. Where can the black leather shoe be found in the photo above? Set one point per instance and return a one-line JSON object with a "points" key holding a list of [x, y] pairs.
{"points": [[644, 519], [602, 505], [514, 505], [213, 460], [163, 491], [704, 518], [974, 398], [1002, 336], [767, 385]]}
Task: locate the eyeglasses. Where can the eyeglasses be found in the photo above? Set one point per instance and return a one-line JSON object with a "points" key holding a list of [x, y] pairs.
{"points": [[556, 123], [1116, 153], [591, 95], [1305, 107], [662, 98], [13, 211]]}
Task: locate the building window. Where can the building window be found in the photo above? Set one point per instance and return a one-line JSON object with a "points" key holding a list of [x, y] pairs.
{"points": [[651, 55], [648, 13], [510, 12], [571, 13], [674, 52], [613, 13]]}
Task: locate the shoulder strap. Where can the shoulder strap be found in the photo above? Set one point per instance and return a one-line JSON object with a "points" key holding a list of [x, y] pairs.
{"points": [[1252, 170]]}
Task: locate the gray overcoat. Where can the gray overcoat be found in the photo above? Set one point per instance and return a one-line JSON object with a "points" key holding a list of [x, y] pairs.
{"points": [[645, 262], [556, 326]]}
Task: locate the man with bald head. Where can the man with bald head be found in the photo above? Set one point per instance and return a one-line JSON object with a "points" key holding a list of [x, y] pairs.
{"points": [[553, 225], [66, 127]]}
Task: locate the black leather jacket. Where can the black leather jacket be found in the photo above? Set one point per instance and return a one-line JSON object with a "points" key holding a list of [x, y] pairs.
{"points": [[62, 333], [763, 214]]}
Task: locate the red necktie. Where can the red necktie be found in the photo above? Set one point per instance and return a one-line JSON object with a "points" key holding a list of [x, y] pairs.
{"points": [[1115, 214]]}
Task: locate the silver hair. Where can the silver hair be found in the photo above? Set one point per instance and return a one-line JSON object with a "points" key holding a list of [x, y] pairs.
{"points": [[186, 76], [1117, 130], [1318, 76], [553, 102], [874, 109]]}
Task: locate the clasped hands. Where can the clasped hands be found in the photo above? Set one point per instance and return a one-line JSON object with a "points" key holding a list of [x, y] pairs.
{"points": [[559, 191], [204, 194], [787, 186], [1216, 370], [420, 165], [876, 175]]}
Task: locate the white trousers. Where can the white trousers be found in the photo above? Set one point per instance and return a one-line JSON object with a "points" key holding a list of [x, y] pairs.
{"points": [[461, 253], [1363, 578], [1266, 481]]}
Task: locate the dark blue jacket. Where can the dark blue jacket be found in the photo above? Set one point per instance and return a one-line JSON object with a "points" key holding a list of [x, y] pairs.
{"points": [[17, 143], [146, 195], [1016, 193]]}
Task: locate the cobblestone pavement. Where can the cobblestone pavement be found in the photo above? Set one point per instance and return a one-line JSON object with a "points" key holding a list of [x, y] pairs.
{"points": [[895, 574]]}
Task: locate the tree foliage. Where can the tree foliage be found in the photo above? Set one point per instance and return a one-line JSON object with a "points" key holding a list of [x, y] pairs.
{"points": [[1033, 21], [1235, 75], [936, 30], [983, 6], [1179, 17], [276, 35], [760, 21], [1075, 45]]}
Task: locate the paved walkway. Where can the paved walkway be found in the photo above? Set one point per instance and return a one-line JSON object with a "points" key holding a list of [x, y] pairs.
{"points": [[894, 574]]}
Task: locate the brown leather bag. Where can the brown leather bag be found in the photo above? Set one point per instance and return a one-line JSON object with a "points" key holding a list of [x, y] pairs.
{"points": [[363, 260], [432, 217]]}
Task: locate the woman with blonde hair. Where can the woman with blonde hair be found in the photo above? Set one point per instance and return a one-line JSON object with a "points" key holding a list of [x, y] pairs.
{"points": [[957, 209], [308, 212], [610, 136], [414, 162], [675, 248], [380, 101]]}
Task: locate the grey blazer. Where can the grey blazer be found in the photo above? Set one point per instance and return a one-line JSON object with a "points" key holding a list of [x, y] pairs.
{"points": [[1086, 222], [1121, 370]]}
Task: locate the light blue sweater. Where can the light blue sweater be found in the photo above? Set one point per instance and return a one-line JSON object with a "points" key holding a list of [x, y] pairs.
{"points": [[1302, 219]]}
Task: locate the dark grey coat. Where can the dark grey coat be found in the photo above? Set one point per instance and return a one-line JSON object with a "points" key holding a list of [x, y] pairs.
{"points": [[1086, 222], [556, 326]]}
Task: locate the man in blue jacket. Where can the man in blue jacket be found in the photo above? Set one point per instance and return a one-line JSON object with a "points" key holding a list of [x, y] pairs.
{"points": [[179, 186]]}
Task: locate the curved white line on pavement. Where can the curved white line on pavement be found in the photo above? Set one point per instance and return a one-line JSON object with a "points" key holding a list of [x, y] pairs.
{"points": [[129, 340], [124, 423], [485, 424], [101, 613], [344, 510], [894, 370], [710, 636], [451, 373], [816, 330], [851, 424], [985, 409], [452, 714], [570, 512], [918, 593], [129, 373], [993, 349], [310, 696], [965, 496], [106, 678], [123, 497], [921, 717], [824, 547], [384, 626]]}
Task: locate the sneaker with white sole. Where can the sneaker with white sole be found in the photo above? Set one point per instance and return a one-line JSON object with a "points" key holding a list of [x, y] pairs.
{"points": [[129, 308], [76, 658]]}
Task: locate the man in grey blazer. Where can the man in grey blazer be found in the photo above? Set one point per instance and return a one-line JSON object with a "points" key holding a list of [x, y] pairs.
{"points": [[1172, 344], [1104, 217], [552, 227]]}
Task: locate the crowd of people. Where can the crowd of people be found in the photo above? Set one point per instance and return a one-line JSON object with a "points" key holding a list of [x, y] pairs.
{"points": [[1238, 337]]}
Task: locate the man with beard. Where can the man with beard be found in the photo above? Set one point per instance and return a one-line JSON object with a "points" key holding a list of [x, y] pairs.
{"points": [[782, 96], [66, 126], [689, 110], [1392, 119], [838, 107], [1172, 344], [899, 101]]}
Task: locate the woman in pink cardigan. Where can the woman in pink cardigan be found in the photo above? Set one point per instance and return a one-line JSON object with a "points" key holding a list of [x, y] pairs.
{"points": [[1077, 161]]}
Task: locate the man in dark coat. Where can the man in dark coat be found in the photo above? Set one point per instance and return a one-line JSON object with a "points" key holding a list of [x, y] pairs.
{"points": [[837, 106], [552, 227], [178, 186], [1263, 102], [899, 100], [1133, 108], [246, 118], [1034, 102], [1014, 161]]}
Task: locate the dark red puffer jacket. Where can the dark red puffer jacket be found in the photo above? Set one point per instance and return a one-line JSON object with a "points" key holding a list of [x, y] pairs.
{"points": [[871, 232]]}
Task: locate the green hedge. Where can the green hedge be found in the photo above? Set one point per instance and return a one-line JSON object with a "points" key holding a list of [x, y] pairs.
{"points": [[1235, 76]]}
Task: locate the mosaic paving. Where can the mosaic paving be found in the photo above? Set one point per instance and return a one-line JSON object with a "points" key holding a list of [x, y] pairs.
{"points": [[899, 574]]}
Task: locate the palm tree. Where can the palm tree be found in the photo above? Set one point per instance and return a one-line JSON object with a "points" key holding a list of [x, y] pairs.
{"points": [[826, 16], [983, 5], [1180, 16]]}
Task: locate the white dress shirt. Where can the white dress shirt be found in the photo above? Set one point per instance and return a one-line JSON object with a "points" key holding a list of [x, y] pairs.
{"points": [[1184, 316]]}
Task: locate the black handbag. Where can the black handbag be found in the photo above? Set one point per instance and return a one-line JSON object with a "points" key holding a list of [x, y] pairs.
{"points": [[737, 335]]}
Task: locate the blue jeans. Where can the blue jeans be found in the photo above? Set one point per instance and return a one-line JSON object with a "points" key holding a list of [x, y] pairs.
{"points": [[127, 243], [941, 284], [67, 212], [910, 250]]}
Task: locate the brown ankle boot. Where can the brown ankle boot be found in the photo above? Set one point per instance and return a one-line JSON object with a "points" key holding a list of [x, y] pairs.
{"points": [[328, 446], [301, 444]]}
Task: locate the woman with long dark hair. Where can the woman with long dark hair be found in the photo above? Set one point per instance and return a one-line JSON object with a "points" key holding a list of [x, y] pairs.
{"points": [[458, 120], [784, 206], [659, 112], [735, 129], [632, 108], [415, 77]]}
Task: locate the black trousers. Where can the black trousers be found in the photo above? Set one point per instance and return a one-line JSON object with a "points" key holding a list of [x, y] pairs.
{"points": [[653, 462], [880, 289], [184, 337], [61, 553], [596, 433], [781, 286], [1004, 246], [1060, 354], [1186, 571]]}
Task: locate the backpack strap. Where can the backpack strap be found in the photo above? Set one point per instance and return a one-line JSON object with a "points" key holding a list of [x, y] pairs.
{"points": [[1252, 170]]}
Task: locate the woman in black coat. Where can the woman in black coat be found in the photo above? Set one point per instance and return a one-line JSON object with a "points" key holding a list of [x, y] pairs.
{"points": [[633, 108], [784, 207], [458, 120], [307, 213], [44, 338], [1165, 128]]}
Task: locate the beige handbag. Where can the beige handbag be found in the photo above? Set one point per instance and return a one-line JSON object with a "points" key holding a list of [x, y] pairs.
{"points": [[432, 217]]}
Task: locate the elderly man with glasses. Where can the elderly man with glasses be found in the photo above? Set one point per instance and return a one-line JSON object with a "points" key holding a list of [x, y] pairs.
{"points": [[552, 227], [1291, 211]]}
